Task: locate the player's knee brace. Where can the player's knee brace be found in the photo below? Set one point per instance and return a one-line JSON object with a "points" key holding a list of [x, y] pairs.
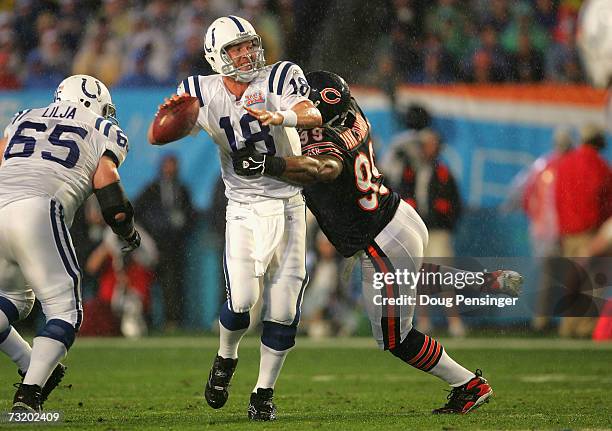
{"points": [[233, 321], [59, 330], [278, 337]]}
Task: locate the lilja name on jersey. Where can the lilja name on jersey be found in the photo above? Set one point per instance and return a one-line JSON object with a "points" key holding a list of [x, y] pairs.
{"points": [[60, 112]]}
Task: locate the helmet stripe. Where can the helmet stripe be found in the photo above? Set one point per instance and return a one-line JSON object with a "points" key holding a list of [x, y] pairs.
{"points": [[237, 22], [281, 80]]}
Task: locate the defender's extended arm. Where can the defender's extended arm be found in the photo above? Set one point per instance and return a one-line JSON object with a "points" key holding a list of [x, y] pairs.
{"points": [[302, 170]]}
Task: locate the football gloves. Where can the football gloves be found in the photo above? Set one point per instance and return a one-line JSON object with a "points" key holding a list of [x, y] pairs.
{"points": [[132, 242], [248, 162]]}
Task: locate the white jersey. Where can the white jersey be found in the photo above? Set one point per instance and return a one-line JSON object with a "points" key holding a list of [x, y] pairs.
{"points": [[55, 151], [278, 87]]}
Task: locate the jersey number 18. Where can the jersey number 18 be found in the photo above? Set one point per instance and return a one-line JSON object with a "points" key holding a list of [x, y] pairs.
{"points": [[250, 138]]}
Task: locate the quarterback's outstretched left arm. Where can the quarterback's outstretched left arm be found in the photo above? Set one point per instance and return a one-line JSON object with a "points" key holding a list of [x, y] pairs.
{"points": [[303, 115]]}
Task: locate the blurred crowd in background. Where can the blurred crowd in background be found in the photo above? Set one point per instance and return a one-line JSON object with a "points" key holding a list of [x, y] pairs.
{"points": [[567, 197], [135, 43]]}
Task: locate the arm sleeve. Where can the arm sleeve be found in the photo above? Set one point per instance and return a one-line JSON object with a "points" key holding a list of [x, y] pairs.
{"points": [[287, 80], [192, 86]]}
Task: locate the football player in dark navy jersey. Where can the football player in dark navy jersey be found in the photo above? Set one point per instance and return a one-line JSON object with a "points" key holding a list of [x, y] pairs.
{"points": [[354, 207], [346, 192]]}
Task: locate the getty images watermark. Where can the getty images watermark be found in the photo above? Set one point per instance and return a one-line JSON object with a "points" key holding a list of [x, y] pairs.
{"points": [[422, 288], [550, 287]]}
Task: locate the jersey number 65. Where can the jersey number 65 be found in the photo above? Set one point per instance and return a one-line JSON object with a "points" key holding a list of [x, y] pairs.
{"points": [[29, 143]]}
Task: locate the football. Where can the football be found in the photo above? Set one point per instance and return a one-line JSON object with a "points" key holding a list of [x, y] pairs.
{"points": [[175, 119]]}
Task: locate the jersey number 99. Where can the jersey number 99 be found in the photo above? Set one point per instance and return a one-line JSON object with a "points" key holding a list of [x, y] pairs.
{"points": [[365, 172]]}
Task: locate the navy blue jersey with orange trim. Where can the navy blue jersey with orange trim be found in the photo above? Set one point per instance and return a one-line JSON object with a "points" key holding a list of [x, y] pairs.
{"points": [[356, 206]]}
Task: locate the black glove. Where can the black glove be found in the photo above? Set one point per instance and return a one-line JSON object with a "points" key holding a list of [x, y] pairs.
{"points": [[133, 242], [247, 163]]}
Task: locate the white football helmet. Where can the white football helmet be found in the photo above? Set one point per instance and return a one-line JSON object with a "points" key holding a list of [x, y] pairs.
{"points": [[595, 40], [89, 92], [225, 32]]}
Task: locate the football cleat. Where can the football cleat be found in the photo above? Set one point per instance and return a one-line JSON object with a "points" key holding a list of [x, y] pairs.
{"points": [[27, 398], [465, 398], [504, 282], [52, 382], [216, 391], [261, 407]]}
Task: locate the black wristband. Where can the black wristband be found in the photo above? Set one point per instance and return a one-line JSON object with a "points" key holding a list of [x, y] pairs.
{"points": [[274, 166], [114, 201]]}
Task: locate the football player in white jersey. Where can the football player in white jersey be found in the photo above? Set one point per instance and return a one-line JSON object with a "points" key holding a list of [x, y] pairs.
{"points": [[250, 105], [52, 159]]}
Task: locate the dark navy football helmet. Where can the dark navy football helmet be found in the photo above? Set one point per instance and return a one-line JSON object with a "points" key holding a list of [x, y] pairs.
{"points": [[330, 94]]}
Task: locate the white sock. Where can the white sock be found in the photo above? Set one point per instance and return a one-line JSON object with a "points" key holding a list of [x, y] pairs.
{"points": [[229, 341], [17, 349], [46, 354], [270, 366], [450, 371]]}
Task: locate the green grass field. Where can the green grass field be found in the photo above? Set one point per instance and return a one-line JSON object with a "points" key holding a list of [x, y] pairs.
{"points": [[338, 384]]}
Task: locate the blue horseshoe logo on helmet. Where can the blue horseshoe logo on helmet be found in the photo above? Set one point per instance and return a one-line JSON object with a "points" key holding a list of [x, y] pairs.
{"points": [[88, 94]]}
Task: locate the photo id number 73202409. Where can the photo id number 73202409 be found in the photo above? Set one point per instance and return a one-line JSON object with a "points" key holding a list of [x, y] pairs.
{"points": [[31, 417]]}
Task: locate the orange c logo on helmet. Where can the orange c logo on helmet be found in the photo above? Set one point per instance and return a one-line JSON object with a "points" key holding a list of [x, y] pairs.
{"points": [[330, 95]]}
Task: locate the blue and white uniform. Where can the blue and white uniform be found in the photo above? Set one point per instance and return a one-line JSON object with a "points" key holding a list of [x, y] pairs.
{"points": [[266, 228], [46, 173]]}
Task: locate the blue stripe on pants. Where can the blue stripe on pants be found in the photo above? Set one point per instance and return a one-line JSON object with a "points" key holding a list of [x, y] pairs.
{"points": [[64, 257]]}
